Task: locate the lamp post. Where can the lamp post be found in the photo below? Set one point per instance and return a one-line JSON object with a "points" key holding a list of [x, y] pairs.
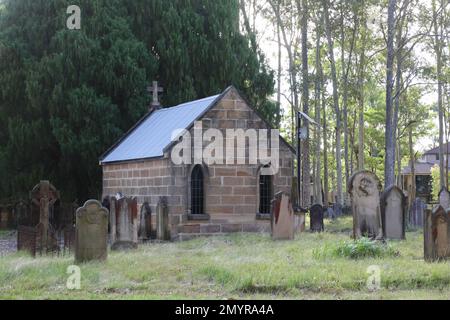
{"points": [[302, 135]]}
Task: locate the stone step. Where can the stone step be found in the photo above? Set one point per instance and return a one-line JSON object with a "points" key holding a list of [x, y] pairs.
{"points": [[222, 228], [190, 236]]}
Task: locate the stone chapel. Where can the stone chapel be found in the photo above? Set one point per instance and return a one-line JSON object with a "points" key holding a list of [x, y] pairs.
{"points": [[203, 198]]}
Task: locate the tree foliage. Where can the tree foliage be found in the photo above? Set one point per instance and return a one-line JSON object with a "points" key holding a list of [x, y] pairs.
{"points": [[67, 95]]}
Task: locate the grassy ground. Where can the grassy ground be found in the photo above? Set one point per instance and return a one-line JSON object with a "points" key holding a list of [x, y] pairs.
{"points": [[239, 266]]}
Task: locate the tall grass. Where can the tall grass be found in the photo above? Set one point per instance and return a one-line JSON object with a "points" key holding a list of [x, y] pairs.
{"points": [[323, 266], [357, 249]]}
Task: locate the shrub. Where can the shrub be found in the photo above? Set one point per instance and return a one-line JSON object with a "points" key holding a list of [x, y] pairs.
{"points": [[357, 249]]}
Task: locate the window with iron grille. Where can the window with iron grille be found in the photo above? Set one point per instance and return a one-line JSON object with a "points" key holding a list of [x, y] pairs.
{"points": [[197, 190], [265, 193]]}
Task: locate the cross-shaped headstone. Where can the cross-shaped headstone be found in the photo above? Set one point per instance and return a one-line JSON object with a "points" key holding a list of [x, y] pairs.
{"points": [[44, 195], [154, 91]]}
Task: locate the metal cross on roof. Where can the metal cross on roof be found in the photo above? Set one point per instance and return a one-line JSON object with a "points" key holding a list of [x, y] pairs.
{"points": [[155, 90]]}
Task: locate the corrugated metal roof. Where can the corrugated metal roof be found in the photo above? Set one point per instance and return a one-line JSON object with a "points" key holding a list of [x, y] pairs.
{"points": [[421, 168], [445, 146], [154, 133]]}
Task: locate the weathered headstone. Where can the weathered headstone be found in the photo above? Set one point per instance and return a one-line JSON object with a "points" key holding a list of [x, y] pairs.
{"points": [[123, 223], [91, 236], [282, 218], [48, 244], [417, 212], [364, 188], [145, 226], [337, 208], [299, 217], [316, 218], [393, 213], [436, 243], [22, 213], [299, 222], [444, 198], [448, 232], [4, 218], [26, 239], [330, 213], [43, 198], [44, 195], [162, 220], [428, 236]]}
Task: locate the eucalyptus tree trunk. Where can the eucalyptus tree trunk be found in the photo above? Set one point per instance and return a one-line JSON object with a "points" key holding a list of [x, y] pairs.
{"points": [[446, 143], [345, 71], [318, 79], [438, 52], [362, 61], [345, 97], [306, 175], [325, 148], [279, 65], [292, 54], [412, 195], [352, 141], [400, 42], [399, 164], [335, 103], [314, 167], [398, 88], [389, 161]]}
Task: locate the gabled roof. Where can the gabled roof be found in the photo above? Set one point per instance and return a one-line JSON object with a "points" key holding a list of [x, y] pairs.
{"points": [[445, 147], [421, 168], [151, 136]]}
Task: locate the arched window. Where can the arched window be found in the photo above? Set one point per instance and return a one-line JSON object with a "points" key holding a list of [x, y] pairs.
{"points": [[197, 191], [265, 193]]}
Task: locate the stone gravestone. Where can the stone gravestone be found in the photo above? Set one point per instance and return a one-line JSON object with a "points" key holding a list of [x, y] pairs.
{"points": [[330, 213], [364, 188], [4, 216], [91, 236], [316, 218], [448, 232], [21, 213], [162, 220], [145, 226], [337, 208], [39, 235], [444, 198], [44, 195], [436, 242], [299, 221], [393, 213], [282, 218], [123, 223], [417, 212]]}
